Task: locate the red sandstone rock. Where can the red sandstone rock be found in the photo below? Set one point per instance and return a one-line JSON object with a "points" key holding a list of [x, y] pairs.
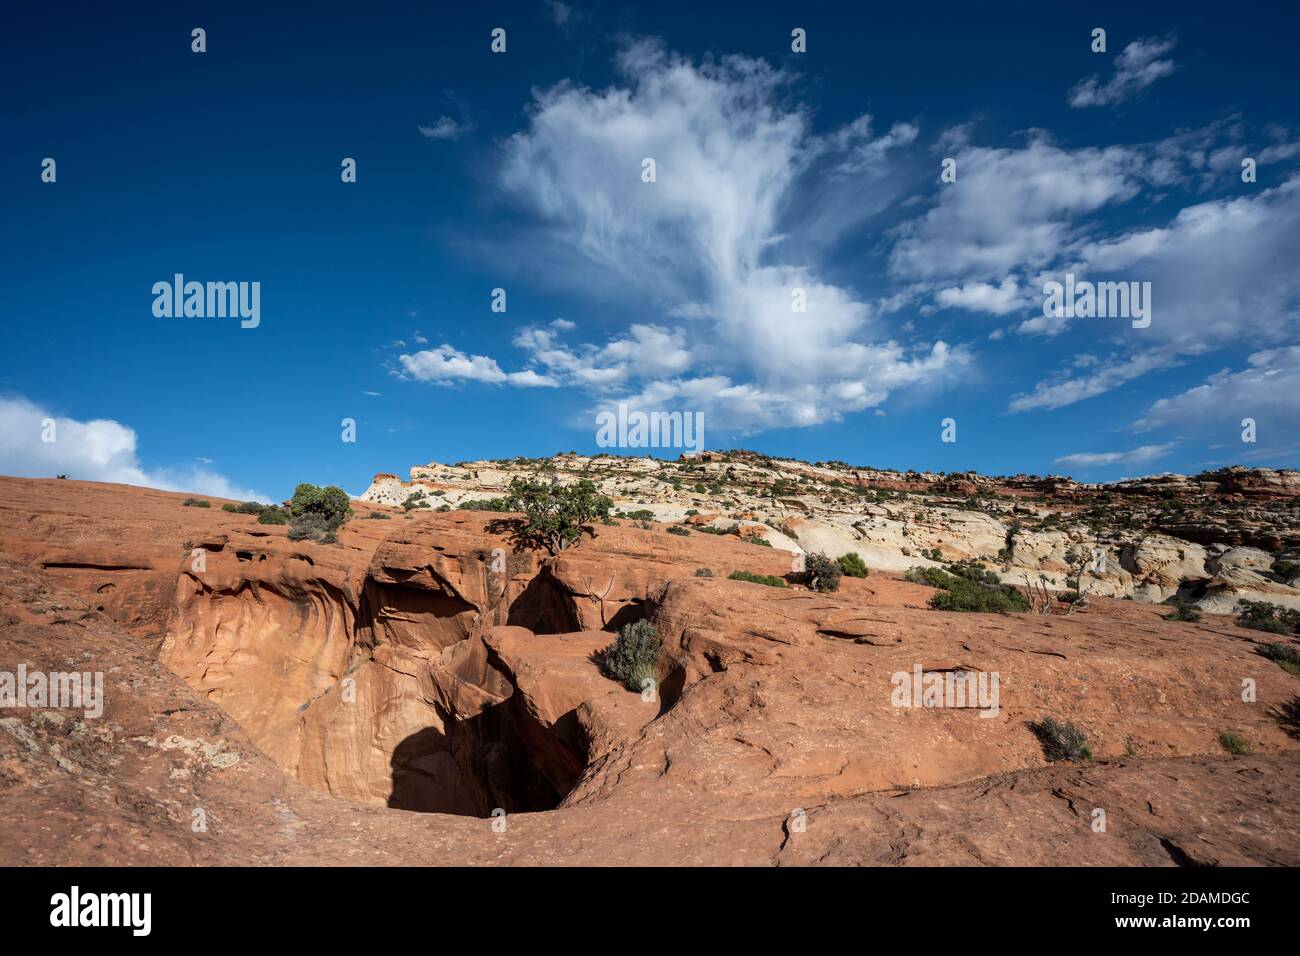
{"points": [[309, 688]]}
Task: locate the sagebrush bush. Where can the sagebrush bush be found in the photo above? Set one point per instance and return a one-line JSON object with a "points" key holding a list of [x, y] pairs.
{"points": [[634, 655], [377, 516], [1061, 740], [770, 580], [679, 530], [704, 572], [853, 566], [196, 503], [821, 573], [273, 516], [245, 508]]}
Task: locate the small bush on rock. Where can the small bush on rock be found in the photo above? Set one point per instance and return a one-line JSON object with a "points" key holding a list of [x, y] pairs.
{"points": [[703, 572], [968, 587], [484, 504], [196, 503], [1061, 740], [821, 573], [770, 580], [853, 566], [679, 531], [330, 503], [1182, 611], [1262, 616], [1234, 744], [273, 515], [312, 526], [634, 655], [1286, 656]]}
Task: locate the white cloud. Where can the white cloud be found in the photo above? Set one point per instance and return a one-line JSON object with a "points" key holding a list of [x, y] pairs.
{"points": [[1136, 68], [1221, 272], [984, 297], [445, 365], [1268, 391], [96, 450], [704, 242], [1010, 209], [444, 128], [1134, 456], [1062, 391]]}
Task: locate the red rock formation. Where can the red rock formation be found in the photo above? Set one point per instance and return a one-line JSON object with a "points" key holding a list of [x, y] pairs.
{"points": [[407, 667]]}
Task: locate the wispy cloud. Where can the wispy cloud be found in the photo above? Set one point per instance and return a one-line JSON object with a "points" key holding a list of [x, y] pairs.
{"points": [[1140, 65], [1134, 456], [703, 239], [444, 128], [1268, 391]]}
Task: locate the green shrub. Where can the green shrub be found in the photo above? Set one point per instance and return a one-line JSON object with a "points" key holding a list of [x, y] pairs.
{"points": [[821, 573], [196, 503], [1061, 741], [377, 516], [634, 655], [1262, 616], [1182, 611], [1234, 744], [641, 514], [273, 515], [853, 566], [679, 530], [967, 586], [768, 579], [1286, 656], [331, 504], [245, 508], [703, 572], [484, 504], [710, 529], [556, 516]]}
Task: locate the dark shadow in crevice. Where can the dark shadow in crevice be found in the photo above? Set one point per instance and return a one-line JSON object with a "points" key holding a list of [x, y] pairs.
{"points": [[545, 607], [499, 759]]}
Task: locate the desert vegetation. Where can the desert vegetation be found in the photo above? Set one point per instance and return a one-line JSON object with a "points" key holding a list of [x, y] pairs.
{"points": [[634, 656], [1061, 740]]}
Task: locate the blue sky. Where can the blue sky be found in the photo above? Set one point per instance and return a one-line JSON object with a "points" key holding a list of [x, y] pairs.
{"points": [[775, 170]]}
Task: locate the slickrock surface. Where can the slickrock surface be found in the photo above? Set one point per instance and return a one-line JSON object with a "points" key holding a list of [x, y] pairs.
{"points": [[306, 697]]}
